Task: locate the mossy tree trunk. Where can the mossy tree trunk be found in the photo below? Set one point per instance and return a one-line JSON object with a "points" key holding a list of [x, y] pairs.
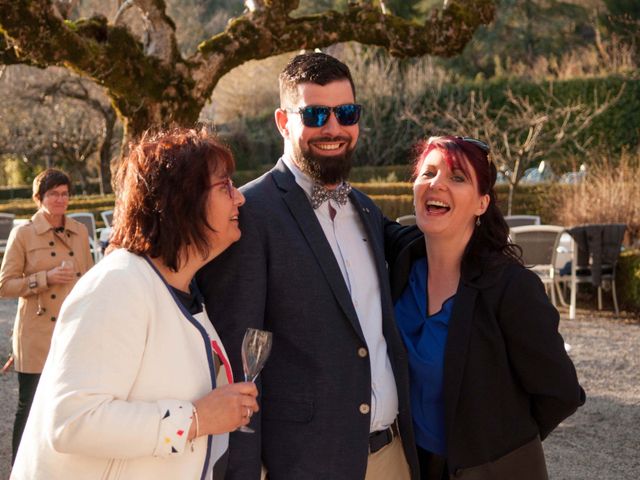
{"points": [[152, 85]]}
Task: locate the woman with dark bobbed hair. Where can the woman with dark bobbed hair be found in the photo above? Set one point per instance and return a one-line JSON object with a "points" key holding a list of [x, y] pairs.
{"points": [[489, 374], [137, 384], [43, 260]]}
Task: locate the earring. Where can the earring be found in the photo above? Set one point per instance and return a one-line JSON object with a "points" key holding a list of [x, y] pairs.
{"points": [[478, 221]]}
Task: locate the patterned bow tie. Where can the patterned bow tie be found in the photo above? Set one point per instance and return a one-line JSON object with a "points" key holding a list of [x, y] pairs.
{"points": [[319, 194]]}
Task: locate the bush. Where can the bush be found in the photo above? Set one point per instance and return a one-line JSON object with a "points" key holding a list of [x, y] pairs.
{"points": [[628, 279], [394, 206], [25, 208], [609, 194], [388, 135]]}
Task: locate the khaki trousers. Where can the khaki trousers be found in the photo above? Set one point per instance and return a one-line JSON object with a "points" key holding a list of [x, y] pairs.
{"points": [[388, 463]]}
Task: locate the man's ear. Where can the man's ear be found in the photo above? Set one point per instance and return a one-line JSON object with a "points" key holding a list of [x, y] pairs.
{"points": [[282, 120]]}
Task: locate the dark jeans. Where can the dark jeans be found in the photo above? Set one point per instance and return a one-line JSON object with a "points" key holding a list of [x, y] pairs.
{"points": [[432, 466], [27, 384]]}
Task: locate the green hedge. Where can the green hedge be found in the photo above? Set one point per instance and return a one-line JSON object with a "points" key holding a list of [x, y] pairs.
{"points": [[628, 279], [256, 142], [25, 208]]}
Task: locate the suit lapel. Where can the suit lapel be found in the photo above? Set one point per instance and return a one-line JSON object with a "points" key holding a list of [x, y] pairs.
{"points": [[472, 281], [456, 349], [303, 214]]}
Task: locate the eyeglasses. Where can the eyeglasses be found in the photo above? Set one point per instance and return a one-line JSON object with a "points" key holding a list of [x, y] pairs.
{"points": [[57, 195], [317, 115], [228, 183]]}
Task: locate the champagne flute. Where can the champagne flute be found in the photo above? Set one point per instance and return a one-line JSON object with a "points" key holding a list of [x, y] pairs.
{"points": [[256, 347], [67, 265]]}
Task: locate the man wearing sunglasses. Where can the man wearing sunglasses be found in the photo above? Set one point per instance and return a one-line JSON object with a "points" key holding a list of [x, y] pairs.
{"points": [[310, 268]]}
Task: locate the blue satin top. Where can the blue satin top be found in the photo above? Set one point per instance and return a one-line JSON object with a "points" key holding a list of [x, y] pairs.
{"points": [[425, 337]]}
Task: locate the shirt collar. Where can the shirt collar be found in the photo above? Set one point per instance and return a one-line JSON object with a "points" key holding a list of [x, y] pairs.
{"points": [[42, 225], [302, 179]]}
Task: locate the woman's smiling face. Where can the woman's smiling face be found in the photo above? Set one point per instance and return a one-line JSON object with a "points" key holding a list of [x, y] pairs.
{"points": [[446, 197]]}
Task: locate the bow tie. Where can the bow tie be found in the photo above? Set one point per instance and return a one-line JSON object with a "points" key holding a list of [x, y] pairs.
{"points": [[319, 194]]}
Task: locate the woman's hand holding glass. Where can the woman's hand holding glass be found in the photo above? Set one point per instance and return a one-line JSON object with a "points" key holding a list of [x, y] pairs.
{"points": [[63, 273], [256, 347], [225, 408]]}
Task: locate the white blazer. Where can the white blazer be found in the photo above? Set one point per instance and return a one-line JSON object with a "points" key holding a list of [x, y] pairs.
{"points": [[114, 399]]}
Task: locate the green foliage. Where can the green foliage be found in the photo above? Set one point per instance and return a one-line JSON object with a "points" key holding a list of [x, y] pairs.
{"points": [[256, 141], [15, 171], [628, 279], [623, 7], [394, 206], [615, 130], [523, 31]]}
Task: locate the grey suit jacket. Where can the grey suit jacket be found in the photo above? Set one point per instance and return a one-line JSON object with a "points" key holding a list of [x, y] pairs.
{"points": [[282, 276]]}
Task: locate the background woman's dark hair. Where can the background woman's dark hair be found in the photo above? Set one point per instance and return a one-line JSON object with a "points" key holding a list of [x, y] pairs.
{"points": [[492, 235], [48, 179], [162, 194]]}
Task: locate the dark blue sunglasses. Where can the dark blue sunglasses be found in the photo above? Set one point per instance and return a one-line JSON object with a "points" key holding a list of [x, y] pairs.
{"points": [[317, 115]]}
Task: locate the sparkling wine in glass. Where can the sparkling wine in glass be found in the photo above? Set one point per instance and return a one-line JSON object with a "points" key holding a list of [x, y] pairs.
{"points": [[256, 347]]}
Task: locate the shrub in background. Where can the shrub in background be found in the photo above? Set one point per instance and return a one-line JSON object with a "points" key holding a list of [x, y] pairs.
{"points": [[628, 279], [609, 194], [25, 208]]}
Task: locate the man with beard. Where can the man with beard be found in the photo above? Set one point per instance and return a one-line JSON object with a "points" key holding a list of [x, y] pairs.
{"points": [[310, 268]]}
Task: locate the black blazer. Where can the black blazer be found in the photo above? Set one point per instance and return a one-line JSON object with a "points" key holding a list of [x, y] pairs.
{"points": [[282, 276], [507, 377]]}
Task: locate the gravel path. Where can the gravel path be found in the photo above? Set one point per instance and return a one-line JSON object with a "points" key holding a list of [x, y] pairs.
{"points": [[599, 442]]}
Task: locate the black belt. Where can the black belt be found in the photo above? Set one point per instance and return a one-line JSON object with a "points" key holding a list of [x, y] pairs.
{"points": [[382, 438]]}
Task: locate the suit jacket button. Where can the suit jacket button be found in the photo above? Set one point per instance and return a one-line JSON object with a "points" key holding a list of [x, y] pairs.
{"points": [[51, 244], [53, 319], [71, 254], [362, 352], [53, 254], [364, 408], [53, 296]]}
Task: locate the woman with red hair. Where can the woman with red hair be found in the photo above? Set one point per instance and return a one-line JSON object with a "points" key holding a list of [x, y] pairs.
{"points": [[489, 376]]}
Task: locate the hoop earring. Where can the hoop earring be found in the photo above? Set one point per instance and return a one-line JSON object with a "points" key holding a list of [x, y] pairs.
{"points": [[478, 221]]}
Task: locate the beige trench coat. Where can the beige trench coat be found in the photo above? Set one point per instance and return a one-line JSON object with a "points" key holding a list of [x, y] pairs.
{"points": [[32, 250]]}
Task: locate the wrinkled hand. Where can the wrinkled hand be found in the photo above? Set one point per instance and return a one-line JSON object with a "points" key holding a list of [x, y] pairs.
{"points": [[225, 408], [60, 275]]}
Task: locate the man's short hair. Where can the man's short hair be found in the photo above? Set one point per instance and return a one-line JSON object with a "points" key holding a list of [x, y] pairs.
{"points": [[313, 67]]}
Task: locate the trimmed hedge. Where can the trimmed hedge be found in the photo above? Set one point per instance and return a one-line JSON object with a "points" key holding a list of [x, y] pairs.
{"points": [[23, 208], [256, 142], [628, 279]]}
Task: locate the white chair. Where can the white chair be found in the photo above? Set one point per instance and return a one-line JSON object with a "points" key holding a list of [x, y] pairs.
{"points": [[539, 245], [89, 221], [520, 220], [406, 220], [6, 224], [107, 217], [595, 249]]}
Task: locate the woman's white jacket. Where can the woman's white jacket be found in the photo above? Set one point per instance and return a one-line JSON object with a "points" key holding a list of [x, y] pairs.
{"points": [[114, 400]]}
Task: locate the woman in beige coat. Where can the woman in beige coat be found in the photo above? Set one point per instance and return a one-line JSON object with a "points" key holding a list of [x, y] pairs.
{"points": [[43, 260]]}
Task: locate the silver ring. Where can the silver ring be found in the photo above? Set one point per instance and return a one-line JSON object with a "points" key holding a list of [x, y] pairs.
{"points": [[249, 412]]}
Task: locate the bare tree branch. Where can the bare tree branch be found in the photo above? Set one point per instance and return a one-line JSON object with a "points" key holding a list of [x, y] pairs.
{"points": [[151, 84], [269, 30]]}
